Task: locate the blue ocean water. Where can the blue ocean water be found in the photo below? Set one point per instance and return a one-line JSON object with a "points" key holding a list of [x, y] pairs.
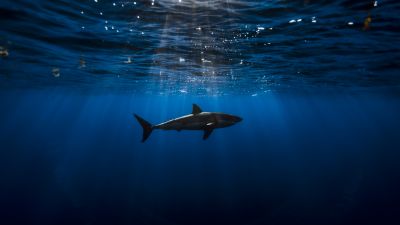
{"points": [[316, 82]]}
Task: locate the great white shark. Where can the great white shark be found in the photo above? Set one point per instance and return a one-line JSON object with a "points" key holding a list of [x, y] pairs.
{"points": [[197, 120]]}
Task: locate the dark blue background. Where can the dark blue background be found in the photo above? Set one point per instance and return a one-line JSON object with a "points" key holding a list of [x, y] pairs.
{"points": [[71, 158]]}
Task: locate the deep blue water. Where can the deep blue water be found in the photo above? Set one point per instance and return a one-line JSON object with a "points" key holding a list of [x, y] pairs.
{"points": [[316, 82]]}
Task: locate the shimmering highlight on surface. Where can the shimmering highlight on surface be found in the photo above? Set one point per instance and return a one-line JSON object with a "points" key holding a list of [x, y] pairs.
{"points": [[200, 46]]}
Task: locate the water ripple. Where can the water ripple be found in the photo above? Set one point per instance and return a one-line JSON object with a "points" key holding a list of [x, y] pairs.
{"points": [[200, 46]]}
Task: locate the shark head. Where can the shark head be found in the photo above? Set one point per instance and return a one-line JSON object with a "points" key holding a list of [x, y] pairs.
{"points": [[228, 120]]}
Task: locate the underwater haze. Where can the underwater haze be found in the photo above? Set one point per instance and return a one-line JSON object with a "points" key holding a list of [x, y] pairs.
{"points": [[317, 84]]}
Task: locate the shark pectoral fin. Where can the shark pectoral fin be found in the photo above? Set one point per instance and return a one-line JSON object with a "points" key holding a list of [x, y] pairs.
{"points": [[196, 109], [207, 133]]}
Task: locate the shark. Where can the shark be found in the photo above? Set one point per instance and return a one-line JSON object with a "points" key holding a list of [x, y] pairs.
{"points": [[197, 120]]}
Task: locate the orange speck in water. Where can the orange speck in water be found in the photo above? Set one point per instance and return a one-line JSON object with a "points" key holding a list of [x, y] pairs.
{"points": [[367, 22]]}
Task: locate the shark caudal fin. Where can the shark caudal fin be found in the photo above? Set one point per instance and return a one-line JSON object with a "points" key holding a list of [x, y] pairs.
{"points": [[147, 127]]}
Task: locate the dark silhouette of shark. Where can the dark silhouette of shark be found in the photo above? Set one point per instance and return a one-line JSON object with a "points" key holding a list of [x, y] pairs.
{"points": [[198, 120]]}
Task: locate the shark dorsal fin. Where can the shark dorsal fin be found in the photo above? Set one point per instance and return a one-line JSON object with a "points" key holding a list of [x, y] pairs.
{"points": [[196, 109]]}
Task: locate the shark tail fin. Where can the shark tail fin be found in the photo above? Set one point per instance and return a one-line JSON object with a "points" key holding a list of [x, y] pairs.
{"points": [[147, 127]]}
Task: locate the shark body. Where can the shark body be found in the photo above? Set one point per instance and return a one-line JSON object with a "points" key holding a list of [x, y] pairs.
{"points": [[197, 120]]}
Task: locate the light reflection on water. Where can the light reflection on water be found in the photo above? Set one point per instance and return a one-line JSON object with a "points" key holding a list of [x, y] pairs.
{"points": [[193, 46]]}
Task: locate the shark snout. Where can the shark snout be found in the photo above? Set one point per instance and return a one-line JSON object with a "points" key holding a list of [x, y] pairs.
{"points": [[238, 119], [230, 119], [235, 119]]}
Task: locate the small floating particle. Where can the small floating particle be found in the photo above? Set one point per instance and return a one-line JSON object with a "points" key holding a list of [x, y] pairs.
{"points": [[129, 61], [181, 59], [313, 19], [205, 61], [82, 63], [375, 3], [292, 21], [367, 22], [55, 72], [350, 23], [3, 52], [299, 20]]}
